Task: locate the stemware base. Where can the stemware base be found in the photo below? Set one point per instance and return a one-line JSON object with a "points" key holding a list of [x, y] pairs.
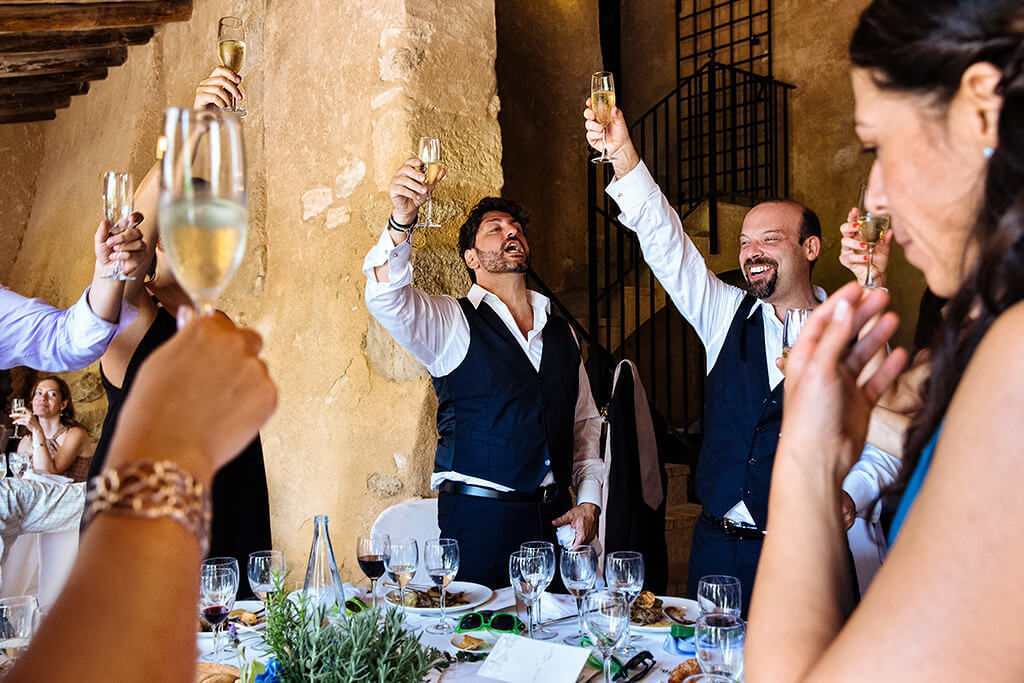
{"points": [[878, 287], [541, 633], [441, 628], [603, 160], [241, 111]]}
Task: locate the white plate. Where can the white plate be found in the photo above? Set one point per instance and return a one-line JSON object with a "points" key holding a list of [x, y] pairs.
{"points": [[476, 593], [489, 640], [691, 607], [249, 605]]}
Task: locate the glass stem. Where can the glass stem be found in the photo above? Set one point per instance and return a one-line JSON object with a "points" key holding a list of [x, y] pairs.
{"points": [[579, 615], [604, 143], [401, 598], [870, 280], [430, 211], [373, 592], [608, 668], [444, 589], [529, 618], [216, 643]]}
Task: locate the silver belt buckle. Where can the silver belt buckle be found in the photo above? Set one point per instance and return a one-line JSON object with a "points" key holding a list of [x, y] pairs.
{"points": [[549, 494]]}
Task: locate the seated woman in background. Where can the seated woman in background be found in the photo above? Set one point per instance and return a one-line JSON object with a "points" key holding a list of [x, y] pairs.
{"points": [[939, 87], [56, 443]]}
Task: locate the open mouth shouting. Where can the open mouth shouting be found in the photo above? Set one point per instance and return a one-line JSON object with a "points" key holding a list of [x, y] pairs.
{"points": [[760, 270], [515, 247]]}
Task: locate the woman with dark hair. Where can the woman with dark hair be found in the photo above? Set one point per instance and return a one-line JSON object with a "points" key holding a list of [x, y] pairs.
{"points": [[56, 443], [939, 88]]}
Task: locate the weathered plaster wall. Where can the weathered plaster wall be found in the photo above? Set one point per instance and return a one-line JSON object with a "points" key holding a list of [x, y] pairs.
{"points": [[337, 94]]}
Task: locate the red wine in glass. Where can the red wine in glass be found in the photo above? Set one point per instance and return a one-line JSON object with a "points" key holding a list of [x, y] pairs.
{"points": [[372, 565], [215, 615], [372, 552]]}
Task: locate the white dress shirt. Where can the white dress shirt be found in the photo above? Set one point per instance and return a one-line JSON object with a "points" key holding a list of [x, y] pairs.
{"points": [[709, 305], [29, 507], [36, 334], [435, 330]]}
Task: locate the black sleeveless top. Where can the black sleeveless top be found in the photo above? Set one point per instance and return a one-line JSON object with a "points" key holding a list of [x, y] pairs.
{"points": [[241, 506]]}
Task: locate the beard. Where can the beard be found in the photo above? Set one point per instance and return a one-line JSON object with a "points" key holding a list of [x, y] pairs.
{"points": [[765, 287], [501, 262]]}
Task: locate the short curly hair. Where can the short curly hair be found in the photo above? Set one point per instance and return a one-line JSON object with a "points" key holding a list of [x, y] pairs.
{"points": [[469, 229]]}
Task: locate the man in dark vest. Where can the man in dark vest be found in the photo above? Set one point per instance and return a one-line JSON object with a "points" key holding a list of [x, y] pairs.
{"points": [[517, 424], [742, 335]]}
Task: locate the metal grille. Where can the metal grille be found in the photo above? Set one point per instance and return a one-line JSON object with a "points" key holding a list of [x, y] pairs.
{"points": [[733, 32]]}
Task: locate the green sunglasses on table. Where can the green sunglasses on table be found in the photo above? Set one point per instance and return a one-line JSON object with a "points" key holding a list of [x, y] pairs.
{"points": [[497, 622]]}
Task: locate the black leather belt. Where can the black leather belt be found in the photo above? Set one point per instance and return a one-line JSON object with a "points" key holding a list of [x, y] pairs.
{"points": [[733, 529], [545, 494]]}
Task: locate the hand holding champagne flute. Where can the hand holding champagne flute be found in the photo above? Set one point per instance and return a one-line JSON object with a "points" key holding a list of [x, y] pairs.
{"points": [[872, 228], [118, 200], [602, 101], [231, 52], [429, 153]]}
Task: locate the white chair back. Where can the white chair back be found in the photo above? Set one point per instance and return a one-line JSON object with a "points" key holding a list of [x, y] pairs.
{"points": [[411, 519]]}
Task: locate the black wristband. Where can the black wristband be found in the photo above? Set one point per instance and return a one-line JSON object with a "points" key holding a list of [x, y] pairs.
{"points": [[395, 225]]}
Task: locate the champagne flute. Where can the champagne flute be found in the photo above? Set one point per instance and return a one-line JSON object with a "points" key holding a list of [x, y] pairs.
{"points": [[791, 326], [719, 594], [872, 228], [579, 574], [401, 565], [545, 549], [441, 557], [602, 101], [429, 152], [118, 203], [231, 52], [606, 616], [203, 208], [262, 568], [17, 405], [527, 573], [372, 553], [624, 573], [218, 585], [19, 617], [718, 640]]}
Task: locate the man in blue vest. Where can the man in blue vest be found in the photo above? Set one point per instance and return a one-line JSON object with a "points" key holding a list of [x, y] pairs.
{"points": [[742, 336], [517, 424]]}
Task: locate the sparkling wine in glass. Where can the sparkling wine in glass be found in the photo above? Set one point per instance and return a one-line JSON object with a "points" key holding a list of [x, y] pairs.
{"points": [[547, 550], [402, 563], [372, 553], [873, 227], [719, 594], [118, 204], [231, 52], [17, 405], [203, 210], [19, 617], [602, 101], [218, 586], [606, 617], [718, 640], [264, 566], [791, 326], [429, 152], [624, 573], [527, 572], [579, 574], [441, 557]]}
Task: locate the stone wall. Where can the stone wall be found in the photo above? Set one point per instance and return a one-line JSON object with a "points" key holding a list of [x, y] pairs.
{"points": [[337, 94]]}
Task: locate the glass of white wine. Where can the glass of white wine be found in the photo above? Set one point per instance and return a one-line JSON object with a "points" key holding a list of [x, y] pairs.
{"points": [[204, 208], [602, 101], [429, 152], [401, 565], [441, 557], [118, 203], [19, 617], [231, 51], [873, 227], [791, 326]]}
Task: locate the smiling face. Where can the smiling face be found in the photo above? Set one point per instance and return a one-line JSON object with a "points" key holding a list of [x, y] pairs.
{"points": [[47, 400], [500, 246], [774, 262], [928, 175]]}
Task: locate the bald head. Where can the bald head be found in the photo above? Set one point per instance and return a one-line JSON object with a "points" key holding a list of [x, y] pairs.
{"points": [[779, 242]]}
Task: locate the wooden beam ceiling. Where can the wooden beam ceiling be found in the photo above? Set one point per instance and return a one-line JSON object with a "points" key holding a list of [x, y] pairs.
{"points": [[49, 51]]}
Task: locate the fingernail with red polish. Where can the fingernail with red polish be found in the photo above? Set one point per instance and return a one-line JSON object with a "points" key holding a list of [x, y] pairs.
{"points": [[863, 246]]}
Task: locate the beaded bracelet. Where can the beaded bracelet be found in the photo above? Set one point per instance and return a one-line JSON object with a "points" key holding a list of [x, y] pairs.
{"points": [[152, 490]]}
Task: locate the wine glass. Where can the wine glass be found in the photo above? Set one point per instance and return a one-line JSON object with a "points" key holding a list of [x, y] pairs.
{"points": [[17, 463], [718, 639], [527, 572], [118, 203], [231, 52], [203, 208], [606, 616], [624, 573], [441, 557], [263, 566], [218, 585], [19, 617], [579, 574], [602, 101], [791, 326], [17, 405], [401, 564], [372, 553], [719, 594], [547, 551], [429, 152], [872, 228]]}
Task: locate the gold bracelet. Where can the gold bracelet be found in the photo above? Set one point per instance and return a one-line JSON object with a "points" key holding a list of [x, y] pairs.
{"points": [[152, 490]]}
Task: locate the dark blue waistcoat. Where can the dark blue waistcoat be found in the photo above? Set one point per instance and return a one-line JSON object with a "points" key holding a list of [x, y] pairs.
{"points": [[499, 419], [742, 417]]}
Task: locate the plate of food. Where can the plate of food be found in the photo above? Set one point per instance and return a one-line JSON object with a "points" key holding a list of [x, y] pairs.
{"points": [[247, 615], [476, 641], [648, 614], [461, 596]]}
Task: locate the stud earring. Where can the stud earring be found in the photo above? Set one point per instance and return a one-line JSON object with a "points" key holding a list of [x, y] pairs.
{"points": [[987, 152]]}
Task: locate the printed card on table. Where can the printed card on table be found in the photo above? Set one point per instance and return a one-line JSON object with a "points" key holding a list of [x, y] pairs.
{"points": [[515, 659]]}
